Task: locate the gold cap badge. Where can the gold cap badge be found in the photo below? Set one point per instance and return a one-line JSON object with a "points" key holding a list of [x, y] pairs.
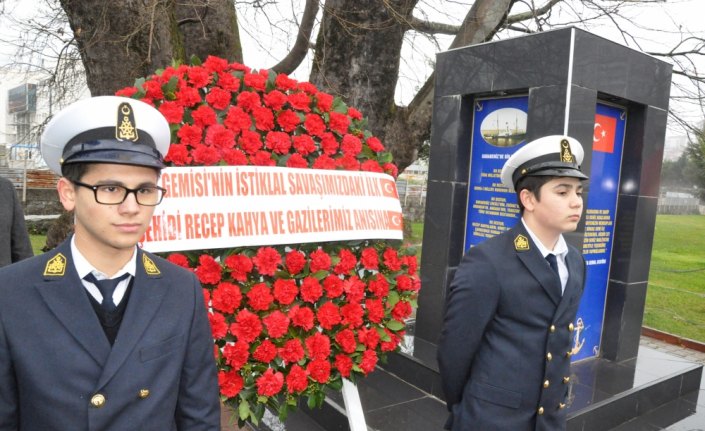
{"points": [[149, 266], [521, 243], [126, 129], [566, 154], [56, 266]]}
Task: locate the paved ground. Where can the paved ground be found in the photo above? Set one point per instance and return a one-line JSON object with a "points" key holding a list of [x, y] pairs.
{"points": [[688, 354]]}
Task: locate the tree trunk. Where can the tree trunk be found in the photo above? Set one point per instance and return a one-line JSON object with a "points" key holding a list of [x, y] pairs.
{"points": [[209, 27]]}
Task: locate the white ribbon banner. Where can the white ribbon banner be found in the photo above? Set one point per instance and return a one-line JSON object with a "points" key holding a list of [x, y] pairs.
{"points": [[233, 206]]}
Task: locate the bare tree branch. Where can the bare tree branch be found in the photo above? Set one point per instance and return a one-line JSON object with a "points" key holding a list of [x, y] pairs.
{"points": [[298, 52]]}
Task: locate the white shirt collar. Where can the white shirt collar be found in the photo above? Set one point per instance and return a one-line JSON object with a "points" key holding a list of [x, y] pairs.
{"points": [[561, 248], [83, 267]]}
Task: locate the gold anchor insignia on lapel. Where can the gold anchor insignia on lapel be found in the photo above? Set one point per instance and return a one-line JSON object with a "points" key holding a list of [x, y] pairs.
{"points": [[56, 266], [521, 243], [149, 266]]}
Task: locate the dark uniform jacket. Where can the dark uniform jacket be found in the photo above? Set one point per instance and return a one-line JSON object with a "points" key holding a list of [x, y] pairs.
{"points": [[14, 241], [59, 372], [504, 351]]}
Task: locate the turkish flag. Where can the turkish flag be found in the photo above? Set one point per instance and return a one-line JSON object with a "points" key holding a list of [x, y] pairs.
{"points": [[603, 135]]}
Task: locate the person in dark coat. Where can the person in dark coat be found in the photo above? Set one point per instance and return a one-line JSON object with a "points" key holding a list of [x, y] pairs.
{"points": [[14, 240], [98, 334], [504, 352]]}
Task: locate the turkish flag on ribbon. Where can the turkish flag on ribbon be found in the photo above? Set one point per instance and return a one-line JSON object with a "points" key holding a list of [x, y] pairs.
{"points": [[603, 137]]}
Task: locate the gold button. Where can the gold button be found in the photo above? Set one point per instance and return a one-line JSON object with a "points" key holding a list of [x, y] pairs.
{"points": [[144, 393], [540, 411], [561, 405], [568, 354], [566, 379], [552, 328], [98, 400], [571, 327], [549, 356], [546, 383]]}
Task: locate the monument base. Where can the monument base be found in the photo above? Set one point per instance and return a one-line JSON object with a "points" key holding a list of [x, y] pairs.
{"points": [[405, 394]]}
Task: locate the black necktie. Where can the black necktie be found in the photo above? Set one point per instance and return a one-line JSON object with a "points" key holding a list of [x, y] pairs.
{"points": [[551, 258], [106, 287]]}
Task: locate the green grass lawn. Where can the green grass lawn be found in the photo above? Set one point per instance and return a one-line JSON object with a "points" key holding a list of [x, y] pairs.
{"points": [[675, 299], [38, 242]]}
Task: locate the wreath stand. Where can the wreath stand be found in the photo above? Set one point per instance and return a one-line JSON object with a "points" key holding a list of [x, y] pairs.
{"points": [[353, 407]]}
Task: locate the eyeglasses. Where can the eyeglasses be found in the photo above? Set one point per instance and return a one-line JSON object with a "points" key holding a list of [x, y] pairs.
{"points": [[112, 194]]}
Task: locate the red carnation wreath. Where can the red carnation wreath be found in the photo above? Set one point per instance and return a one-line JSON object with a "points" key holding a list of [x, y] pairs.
{"points": [[287, 320]]}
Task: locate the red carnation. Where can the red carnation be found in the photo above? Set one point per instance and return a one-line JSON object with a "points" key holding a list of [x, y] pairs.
{"points": [[178, 259], [248, 100], [348, 162], [346, 340], [412, 264], [277, 324], [300, 101], [178, 155], [190, 135], [346, 263], [220, 137], [319, 370], [226, 297], [275, 99], [215, 64], [153, 90], [333, 286], [295, 261], [264, 119], [404, 282], [311, 289], [259, 297], [218, 326], [296, 161], [369, 361], [354, 113], [283, 82], [304, 144], [328, 315], [401, 310], [263, 158], [369, 337], [285, 290], [265, 352], [226, 81], [329, 144], [218, 98], [279, 142], [188, 97], [324, 101], [379, 285], [352, 314], [394, 340], [172, 111], [354, 289], [237, 119], [301, 317], [267, 260], [256, 81], [208, 270], [270, 383], [371, 166], [296, 380], [307, 87], [230, 383], [375, 144], [339, 122], [236, 354], [375, 310], [247, 326], [391, 169], [207, 156], [127, 92], [234, 157], [324, 162], [204, 116], [239, 266], [314, 124], [198, 76], [391, 259], [369, 258], [320, 261], [250, 141], [292, 351], [351, 145], [344, 364], [288, 120]]}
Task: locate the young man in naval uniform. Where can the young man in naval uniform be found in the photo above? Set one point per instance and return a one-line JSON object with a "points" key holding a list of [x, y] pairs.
{"points": [[77, 354], [505, 347]]}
